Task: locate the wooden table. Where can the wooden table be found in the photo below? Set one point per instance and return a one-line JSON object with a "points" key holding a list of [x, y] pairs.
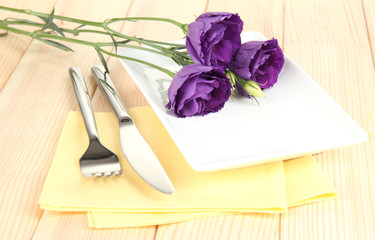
{"points": [[333, 40]]}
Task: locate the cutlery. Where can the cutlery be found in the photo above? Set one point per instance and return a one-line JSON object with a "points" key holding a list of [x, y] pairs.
{"points": [[136, 150], [97, 160]]}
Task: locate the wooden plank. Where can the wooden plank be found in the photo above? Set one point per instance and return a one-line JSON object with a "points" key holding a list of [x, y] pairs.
{"points": [[262, 16], [329, 40], [34, 104], [242, 226], [267, 18], [74, 226], [14, 46], [369, 13], [326, 38]]}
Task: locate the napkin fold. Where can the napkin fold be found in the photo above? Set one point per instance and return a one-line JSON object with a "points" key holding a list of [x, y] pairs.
{"points": [[127, 200]]}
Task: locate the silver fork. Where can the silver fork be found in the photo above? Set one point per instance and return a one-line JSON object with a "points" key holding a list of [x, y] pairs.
{"points": [[97, 160]]}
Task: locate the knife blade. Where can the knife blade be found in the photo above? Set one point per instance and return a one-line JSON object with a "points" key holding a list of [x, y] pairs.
{"points": [[136, 150]]}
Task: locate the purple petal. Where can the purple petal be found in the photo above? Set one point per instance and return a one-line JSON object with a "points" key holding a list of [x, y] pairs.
{"points": [[260, 61], [198, 90], [213, 39]]}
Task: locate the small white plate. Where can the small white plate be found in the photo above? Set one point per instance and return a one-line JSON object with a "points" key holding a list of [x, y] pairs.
{"points": [[297, 117]]}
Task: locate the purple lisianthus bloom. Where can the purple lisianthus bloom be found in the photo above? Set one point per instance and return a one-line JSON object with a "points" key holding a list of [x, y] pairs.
{"points": [[260, 61], [213, 39], [198, 90]]}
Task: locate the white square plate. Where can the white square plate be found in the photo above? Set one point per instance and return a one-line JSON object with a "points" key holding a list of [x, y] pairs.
{"points": [[297, 117]]}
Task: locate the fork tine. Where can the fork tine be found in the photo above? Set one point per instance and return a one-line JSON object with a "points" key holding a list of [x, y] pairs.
{"points": [[99, 161]]}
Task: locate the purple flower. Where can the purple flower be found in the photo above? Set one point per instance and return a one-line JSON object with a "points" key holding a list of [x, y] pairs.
{"points": [[198, 90], [213, 39], [260, 61]]}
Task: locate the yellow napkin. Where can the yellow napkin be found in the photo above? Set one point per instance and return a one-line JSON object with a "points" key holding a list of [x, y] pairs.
{"points": [[128, 201], [304, 183]]}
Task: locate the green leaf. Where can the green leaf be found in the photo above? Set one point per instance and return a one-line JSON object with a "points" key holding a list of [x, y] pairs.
{"points": [[106, 84], [43, 18], [255, 99], [113, 40], [56, 44], [57, 29], [80, 26], [100, 54], [104, 81], [50, 24], [48, 20], [51, 16], [175, 60], [124, 42]]}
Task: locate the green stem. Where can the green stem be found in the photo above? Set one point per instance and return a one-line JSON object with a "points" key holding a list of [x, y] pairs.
{"points": [[134, 39], [44, 15], [178, 24], [76, 32], [166, 71], [176, 45], [104, 24], [41, 35], [37, 35], [93, 23], [137, 40], [107, 44], [65, 39], [15, 30]]}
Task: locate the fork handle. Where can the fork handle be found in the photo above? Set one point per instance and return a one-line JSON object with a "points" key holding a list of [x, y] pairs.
{"points": [[84, 102], [109, 91]]}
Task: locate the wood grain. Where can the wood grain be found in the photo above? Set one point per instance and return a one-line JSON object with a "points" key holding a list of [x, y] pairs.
{"points": [[329, 40], [34, 104], [262, 16], [242, 226], [74, 226], [16, 45], [368, 7], [333, 40]]}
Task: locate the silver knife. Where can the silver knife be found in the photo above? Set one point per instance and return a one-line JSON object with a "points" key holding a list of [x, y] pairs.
{"points": [[136, 150]]}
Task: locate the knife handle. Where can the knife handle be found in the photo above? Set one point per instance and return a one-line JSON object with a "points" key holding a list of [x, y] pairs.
{"points": [[109, 91], [84, 102]]}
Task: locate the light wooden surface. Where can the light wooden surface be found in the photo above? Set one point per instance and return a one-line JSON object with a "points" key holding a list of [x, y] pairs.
{"points": [[333, 40]]}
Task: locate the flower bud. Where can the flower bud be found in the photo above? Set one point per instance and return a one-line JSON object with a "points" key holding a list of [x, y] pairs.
{"points": [[253, 89], [232, 78]]}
